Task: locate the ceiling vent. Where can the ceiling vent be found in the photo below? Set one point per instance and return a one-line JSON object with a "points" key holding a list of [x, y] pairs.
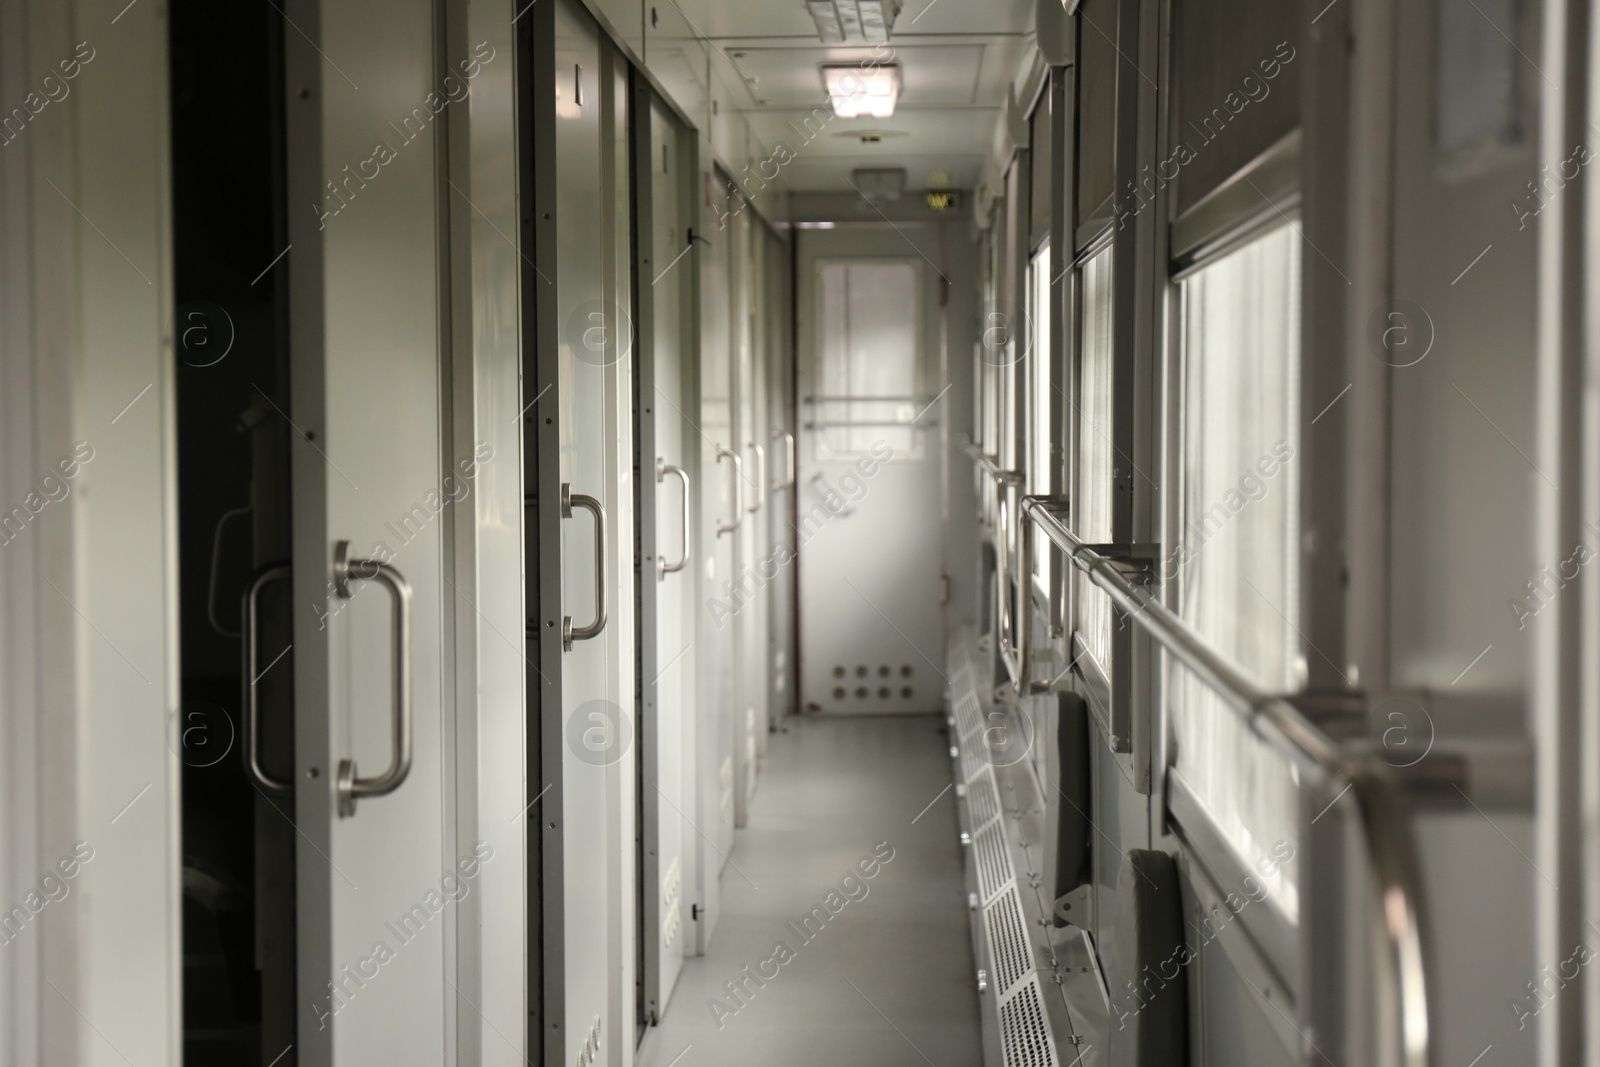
{"points": [[844, 21], [879, 183]]}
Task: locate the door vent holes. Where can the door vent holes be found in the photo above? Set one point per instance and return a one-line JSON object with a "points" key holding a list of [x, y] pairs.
{"points": [[863, 671]]}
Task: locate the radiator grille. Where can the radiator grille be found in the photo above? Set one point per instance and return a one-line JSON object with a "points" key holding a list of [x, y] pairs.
{"points": [[982, 800], [972, 761], [1008, 941], [993, 861], [1024, 1034]]}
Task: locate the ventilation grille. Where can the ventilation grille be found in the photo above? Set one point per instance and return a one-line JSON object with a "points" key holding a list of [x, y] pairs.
{"points": [[1024, 1035], [982, 801], [1008, 941], [994, 862], [964, 688], [968, 720], [972, 761], [671, 885]]}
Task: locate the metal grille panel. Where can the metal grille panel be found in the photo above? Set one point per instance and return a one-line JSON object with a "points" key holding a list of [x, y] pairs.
{"points": [[983, 802], [1008, 941], [1024, 1034], [993, 861]]}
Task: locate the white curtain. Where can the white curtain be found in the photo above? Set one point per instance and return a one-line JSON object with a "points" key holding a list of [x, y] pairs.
{"points": [[1041, 468], [1096, 455], [1237, 572]]}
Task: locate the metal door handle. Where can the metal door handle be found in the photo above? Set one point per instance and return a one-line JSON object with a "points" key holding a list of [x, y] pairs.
{"points": [[352, 786], [252, 717], [738, 491], [663, 568], [790, 457], [821, 479], [761, 476], [570, 500]]}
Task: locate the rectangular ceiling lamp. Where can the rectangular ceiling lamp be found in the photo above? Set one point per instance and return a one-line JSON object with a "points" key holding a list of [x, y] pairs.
{"points": [[855, 91], [826, 16]]}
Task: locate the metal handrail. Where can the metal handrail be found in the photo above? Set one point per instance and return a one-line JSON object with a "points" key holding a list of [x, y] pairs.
{"points": [[1378, 807]]}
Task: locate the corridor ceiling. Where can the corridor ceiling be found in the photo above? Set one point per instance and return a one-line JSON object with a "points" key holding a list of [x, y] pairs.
{"points": [[957, 59]]}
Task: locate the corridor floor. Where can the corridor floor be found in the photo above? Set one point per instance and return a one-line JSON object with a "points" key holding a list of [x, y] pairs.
{"points": [[887, 981]]}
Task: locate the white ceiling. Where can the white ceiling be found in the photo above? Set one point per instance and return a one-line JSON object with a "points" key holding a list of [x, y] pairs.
{"points": [[957, 59]]}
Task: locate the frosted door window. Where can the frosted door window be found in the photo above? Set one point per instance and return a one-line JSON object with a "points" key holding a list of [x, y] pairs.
{"points": [[1096, 455], [870, 375], [1237, 568]]}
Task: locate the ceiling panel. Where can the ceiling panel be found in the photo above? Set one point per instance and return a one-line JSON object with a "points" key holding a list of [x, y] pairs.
{"points": [[957, 60], [789, 18], [954, 142], [790, 76], [819, 174]]}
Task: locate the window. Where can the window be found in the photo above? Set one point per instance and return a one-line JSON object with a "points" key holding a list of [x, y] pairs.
{"points": [[870, 371], [1096, 455], [1237, 562], [1042, 477]]}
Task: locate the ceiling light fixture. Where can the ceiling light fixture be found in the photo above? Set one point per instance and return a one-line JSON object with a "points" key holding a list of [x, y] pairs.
{"points": [[856, 91]]}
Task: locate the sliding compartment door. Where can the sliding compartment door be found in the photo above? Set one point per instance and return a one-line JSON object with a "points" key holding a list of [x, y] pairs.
{"points": [[379, 863], [669, 471], [581, 406]]}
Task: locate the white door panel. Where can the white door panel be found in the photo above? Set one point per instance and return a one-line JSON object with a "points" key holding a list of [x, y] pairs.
{"points": [[375, 912], [720, 480], [593, 408], [671, 266], [869, 504]]}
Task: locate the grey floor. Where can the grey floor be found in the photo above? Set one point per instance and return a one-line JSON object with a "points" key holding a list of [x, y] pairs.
{"points": [[889, 980]]}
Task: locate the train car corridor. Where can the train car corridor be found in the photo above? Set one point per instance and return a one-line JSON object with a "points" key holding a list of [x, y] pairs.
{"points": [[773, 533], [843, 936]]}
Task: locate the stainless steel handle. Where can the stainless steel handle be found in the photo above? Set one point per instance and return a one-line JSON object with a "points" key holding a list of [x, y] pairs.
{"points": [[761, 476], [570, 500], [738, 490], [663, 568], [1004, 611], [252, 730], [791, 458], [346, 571], [821, 479]]}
